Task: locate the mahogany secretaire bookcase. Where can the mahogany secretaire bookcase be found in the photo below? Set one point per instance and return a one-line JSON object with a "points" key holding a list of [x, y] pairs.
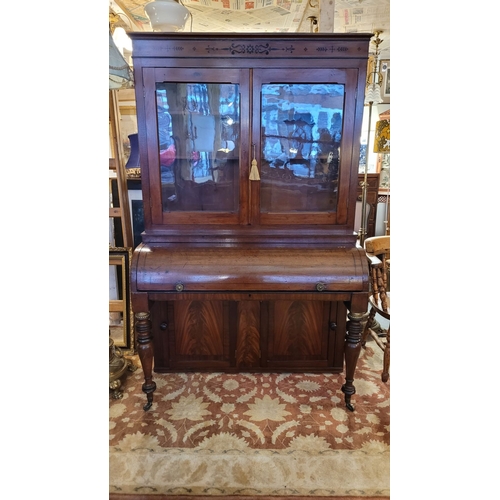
{"points": [[249, 152]]}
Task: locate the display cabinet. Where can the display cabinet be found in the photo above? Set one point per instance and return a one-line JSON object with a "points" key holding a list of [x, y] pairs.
{"points": [[249, 150]]}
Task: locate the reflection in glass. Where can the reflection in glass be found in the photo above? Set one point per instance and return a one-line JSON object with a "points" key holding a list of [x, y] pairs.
{"points": [[301, 135], [198, 137]]}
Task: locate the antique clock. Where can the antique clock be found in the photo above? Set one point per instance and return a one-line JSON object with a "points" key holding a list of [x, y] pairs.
{"points": [[249, 152]]}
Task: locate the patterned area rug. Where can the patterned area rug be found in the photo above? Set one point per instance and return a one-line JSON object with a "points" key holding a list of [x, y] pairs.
{"points": [[213, 434]]}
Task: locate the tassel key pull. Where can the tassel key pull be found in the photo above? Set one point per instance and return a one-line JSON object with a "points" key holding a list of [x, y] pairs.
{"points": [[254, 171]]}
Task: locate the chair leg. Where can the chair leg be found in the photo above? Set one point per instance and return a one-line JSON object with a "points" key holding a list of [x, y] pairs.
{"points": [[368, 325], [387, 356]]}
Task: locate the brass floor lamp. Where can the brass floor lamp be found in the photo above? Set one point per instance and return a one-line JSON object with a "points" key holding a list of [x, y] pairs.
{"points": [[372, 96]]}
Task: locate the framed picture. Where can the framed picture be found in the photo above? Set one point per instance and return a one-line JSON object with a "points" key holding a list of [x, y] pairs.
{"points": [[385, 70]]}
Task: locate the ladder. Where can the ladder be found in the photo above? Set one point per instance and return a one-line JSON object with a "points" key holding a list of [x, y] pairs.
{"points": [[121, 240], [119, 210]]}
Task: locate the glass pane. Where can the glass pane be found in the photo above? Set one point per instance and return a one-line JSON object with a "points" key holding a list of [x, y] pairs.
{"points": [[198, 137], [301, 135]]}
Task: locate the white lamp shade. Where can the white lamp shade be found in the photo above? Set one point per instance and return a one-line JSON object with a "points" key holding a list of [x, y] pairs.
{"points": [[373, 94], [120, 73], [166, 15]]}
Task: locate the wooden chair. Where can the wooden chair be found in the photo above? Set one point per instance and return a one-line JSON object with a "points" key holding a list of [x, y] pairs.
{"points": [[378, 252]]}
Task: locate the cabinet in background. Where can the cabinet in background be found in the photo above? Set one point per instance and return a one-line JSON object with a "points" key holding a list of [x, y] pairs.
{"points": [[371, 200]]}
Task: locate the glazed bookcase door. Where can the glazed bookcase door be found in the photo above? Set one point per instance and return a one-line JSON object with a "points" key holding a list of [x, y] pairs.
{"points": [[303, 136], [195, 146]]}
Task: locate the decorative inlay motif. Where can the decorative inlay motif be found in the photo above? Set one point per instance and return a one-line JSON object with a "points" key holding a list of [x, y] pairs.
{"points": [[332, 48], [175, 48], [250, 49]]}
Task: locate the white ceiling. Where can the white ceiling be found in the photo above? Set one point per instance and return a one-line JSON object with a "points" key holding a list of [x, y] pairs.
{"points": [[260, 16]]}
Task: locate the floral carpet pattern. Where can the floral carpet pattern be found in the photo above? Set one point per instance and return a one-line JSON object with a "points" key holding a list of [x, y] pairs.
{"points": [[252, 434]]}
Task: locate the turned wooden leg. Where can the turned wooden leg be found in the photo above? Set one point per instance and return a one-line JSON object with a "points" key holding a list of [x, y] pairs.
{"points": [[145, 350], [352, 347], [368, 325], [387, 356]]}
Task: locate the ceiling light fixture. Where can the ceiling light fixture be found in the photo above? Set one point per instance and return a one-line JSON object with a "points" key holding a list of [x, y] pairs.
{"points": [[167, 15]]}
